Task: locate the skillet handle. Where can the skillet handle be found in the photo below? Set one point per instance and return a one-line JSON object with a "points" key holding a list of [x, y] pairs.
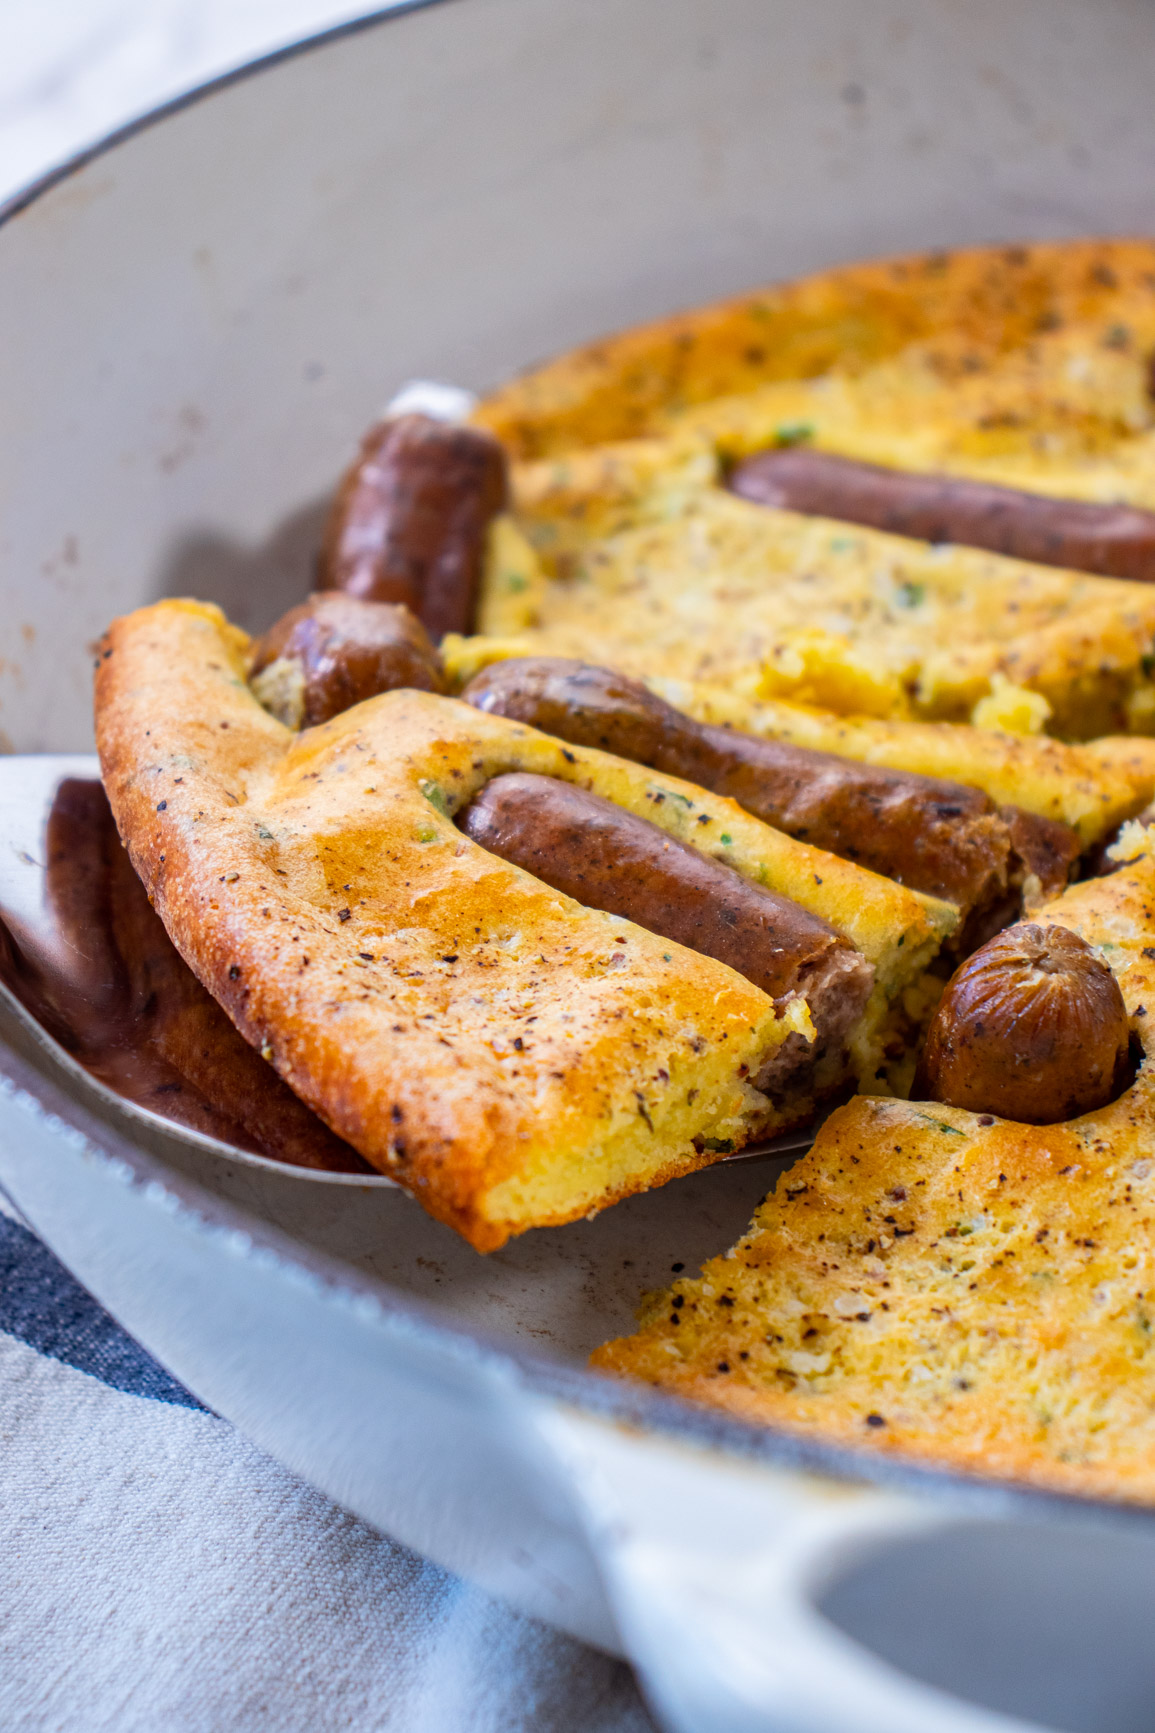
{"points": [[712, 1566]]}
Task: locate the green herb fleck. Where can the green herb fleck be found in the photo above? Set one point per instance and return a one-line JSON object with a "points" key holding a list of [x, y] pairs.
{"points": [[718, 1145], [516, 582], [435, 795], [910, 595], [940, 1124], [726, 839], [793, 432]]}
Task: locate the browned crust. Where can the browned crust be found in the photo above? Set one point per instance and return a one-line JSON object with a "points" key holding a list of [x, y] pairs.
{"points": [[387, 966], [978, 302]]}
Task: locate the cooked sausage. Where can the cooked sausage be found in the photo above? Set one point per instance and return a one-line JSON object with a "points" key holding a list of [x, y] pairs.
{"points": [[333, 651], [936, 836], [410, 517], [1044, 846], [610, 859], [1033, 1027], [1114, 540]]}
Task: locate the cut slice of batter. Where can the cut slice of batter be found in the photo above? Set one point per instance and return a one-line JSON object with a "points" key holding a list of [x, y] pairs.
{"points": [[951, 1285], [514, 1058]]}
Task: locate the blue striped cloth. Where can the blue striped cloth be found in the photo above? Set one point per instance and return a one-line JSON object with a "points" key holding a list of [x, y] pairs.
{"points": [[159, 1574]]}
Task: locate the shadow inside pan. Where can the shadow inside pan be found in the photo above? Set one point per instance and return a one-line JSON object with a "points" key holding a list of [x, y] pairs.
{"points": [[1048, 1622], [563, 1289], [253, 585]]}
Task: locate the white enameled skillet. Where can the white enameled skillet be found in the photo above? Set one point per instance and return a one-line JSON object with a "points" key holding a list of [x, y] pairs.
{"points": [[197, 320]]}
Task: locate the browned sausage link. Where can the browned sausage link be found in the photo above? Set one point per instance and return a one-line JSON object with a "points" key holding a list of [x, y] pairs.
{"points": [[1114, 540], [936, 836], [409, 520], [610, 859], [1033, 1027], [333, 651]]}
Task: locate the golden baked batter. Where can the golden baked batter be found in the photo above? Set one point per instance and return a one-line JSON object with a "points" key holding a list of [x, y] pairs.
{"points": [[951, 1285], [1024, 366], [512, 1057]]}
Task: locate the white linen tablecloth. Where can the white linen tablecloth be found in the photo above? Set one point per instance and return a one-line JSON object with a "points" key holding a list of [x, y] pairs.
{"points": [[159, 1574]]}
